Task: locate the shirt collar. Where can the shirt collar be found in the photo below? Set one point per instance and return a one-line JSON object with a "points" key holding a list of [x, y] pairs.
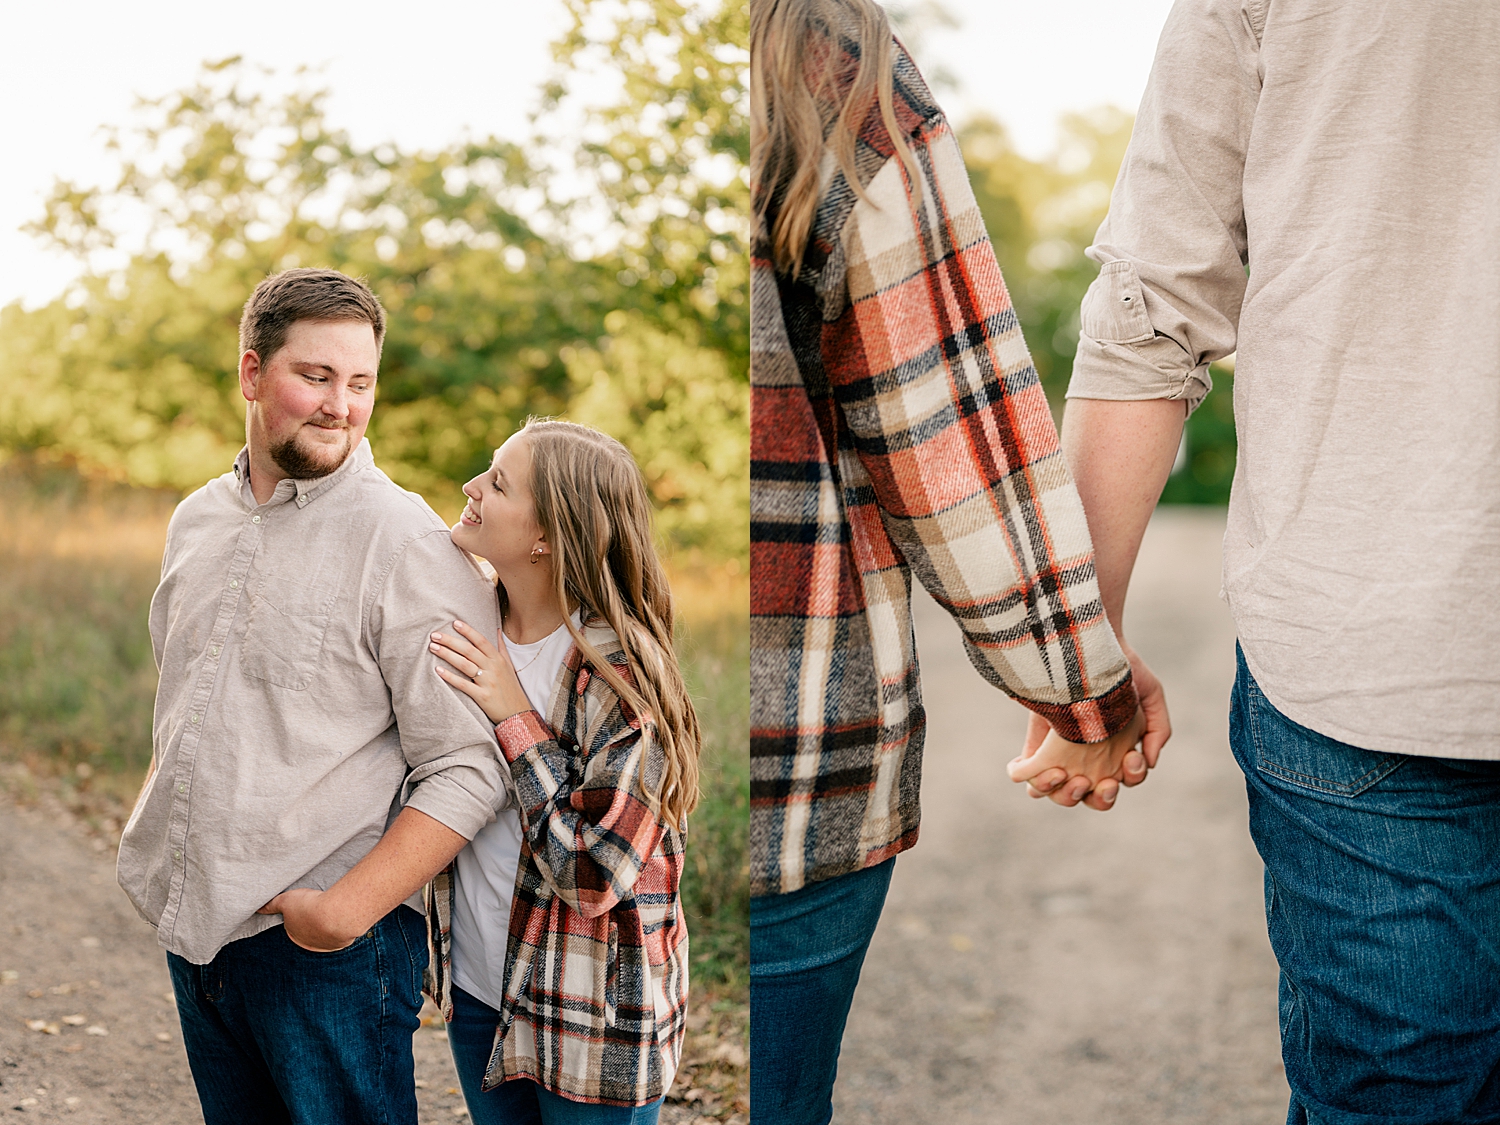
{"points": [[302, 492]]}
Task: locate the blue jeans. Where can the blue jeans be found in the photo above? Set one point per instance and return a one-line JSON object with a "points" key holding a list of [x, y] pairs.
{"points": [[471, 1038], [1383, 906], [806, 951], [275, 1034]]}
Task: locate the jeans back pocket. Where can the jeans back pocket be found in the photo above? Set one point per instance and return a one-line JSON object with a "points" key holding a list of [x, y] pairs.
{"points": [[1299, 756]]}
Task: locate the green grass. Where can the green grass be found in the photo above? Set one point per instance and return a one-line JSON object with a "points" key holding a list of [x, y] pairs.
{"points": [[77, 569], [716, 881]]}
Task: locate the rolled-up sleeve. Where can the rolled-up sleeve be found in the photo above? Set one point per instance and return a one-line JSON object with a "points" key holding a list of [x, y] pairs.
{"points": [[456, 776], [1173, 248]]}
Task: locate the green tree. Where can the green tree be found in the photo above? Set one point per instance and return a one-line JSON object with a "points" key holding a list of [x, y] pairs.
{"points": [[497, 300], [668, 158], [1041, 216]]}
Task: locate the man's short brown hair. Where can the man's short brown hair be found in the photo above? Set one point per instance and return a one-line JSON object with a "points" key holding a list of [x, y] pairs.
{"points": [[305, 294]]}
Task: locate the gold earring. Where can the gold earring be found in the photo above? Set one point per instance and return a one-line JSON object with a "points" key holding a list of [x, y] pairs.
{"points": [[536, 555]]}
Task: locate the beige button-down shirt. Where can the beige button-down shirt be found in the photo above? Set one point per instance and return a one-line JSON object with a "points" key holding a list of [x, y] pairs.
{"points": [[298, 703], [1317, 184]]}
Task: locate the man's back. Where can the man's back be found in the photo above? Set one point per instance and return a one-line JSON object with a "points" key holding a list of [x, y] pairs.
{"points": [[1346, 156]]}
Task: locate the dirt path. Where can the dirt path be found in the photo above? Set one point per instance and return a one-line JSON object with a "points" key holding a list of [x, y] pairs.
{"points": [[88, 1026], [1039, 964]]}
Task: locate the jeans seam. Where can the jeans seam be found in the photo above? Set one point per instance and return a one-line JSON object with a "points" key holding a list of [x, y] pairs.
{"points": [[385, 1008], [1322, 784]]}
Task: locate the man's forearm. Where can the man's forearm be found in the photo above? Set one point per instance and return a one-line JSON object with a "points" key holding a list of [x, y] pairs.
{"points": [[413, 850], [1120, 455]]}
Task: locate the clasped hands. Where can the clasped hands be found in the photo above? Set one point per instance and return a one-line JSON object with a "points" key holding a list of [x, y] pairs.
{"points": [[1091, 773]]}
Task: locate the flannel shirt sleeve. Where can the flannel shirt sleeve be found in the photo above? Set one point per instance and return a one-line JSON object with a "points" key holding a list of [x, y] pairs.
{"points": [[958, 450], [1174, 247], [584, 810]]}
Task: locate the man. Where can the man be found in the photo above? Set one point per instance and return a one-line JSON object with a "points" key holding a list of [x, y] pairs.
{"points": [[302, 739], [1317, 185]]}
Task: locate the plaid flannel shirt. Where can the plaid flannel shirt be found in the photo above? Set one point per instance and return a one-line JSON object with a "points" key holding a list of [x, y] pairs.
{"points": [[596, 969], [898, 427]]}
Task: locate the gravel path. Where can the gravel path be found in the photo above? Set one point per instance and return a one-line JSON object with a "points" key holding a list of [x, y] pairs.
{"points": [[88, 1026], [1040, 964]]}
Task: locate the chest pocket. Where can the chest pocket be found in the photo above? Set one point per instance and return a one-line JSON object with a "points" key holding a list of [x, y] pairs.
{"points": [[284, 636]]}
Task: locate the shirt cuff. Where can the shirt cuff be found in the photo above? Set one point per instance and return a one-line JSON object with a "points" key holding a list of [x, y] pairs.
{"points": [[1155, 368], [520, 733], [1092, 720], [451, 798]]}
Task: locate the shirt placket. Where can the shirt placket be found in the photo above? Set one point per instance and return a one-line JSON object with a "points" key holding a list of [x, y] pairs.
{"points": [[179, 822]]}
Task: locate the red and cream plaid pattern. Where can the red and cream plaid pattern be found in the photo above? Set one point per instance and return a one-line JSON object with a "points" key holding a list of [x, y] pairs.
{"points": [[596, 970], [898, 427]]}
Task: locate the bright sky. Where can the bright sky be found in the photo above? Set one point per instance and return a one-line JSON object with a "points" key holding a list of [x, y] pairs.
{"points": [[419, 74], [1029, 61], [423, 75]]}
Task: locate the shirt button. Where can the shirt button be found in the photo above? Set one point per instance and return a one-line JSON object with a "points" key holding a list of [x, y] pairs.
{"points": [[181, 788], [216, 650], [176, 854], [255, 519], [234, 583], [195, 716]]}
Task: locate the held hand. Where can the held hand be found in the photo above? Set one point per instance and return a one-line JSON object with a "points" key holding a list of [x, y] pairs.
{"points": [[1070, 772], [481, 670], [303, 912], [1052, 780], [1153, 706]]}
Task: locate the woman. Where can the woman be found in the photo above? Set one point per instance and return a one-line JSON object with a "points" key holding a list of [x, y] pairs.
{"points": [[898, 428], [562, 949]]}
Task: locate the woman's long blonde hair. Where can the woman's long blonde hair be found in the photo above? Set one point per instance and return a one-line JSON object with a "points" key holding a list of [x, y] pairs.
{"points": [[797, 64], [591, 504]]}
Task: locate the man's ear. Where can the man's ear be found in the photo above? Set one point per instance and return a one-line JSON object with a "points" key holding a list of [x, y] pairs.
{"points": [[249, 373]]}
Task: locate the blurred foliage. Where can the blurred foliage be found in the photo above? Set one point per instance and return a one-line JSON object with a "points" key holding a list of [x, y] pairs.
{"points": [[78, 563], [1208, 465], [667, 159], [500, 265], [1041, 216]]}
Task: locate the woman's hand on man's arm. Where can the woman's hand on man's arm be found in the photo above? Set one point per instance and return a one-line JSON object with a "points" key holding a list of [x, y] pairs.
{"points": [[480, 670]]}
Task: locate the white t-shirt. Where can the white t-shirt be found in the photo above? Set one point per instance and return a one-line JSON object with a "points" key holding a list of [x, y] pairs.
{"points": [[486, 869]]}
